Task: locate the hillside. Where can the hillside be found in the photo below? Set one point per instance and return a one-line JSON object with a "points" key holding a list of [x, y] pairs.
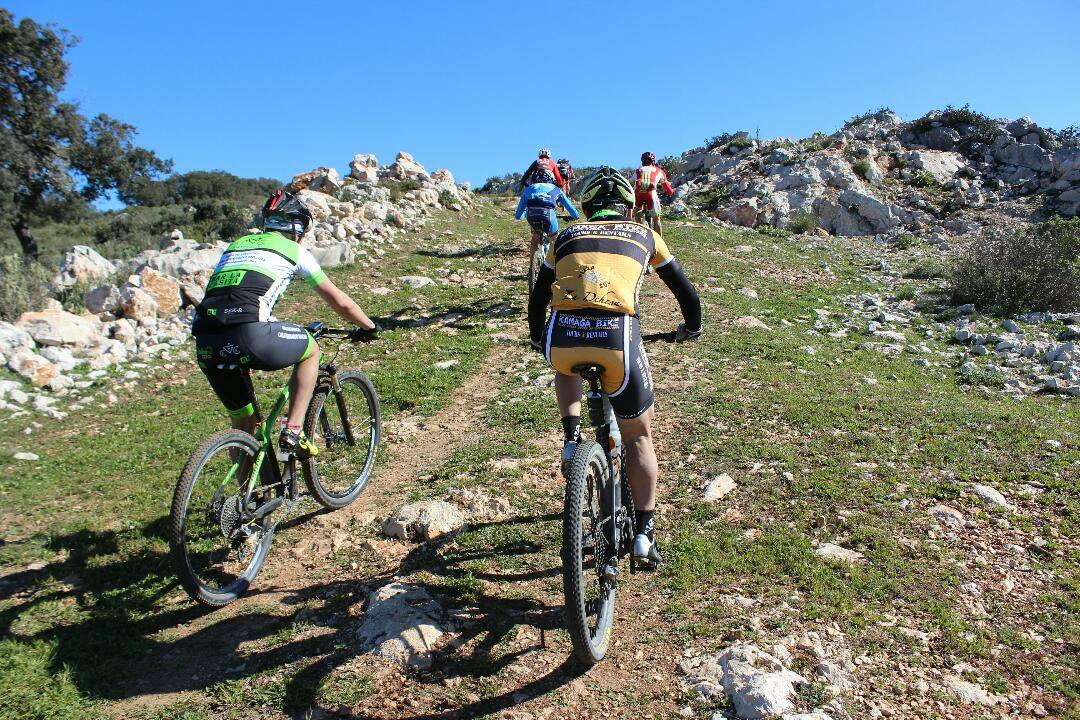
{"points": [[902, 538]]}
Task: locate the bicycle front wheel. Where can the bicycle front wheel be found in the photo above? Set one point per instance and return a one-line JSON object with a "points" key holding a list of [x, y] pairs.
{"points": [[346, 428], [589, 596], [217, 552]]}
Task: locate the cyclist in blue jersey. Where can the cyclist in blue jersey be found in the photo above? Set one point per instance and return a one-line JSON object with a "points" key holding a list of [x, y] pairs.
{"points": [[538, 204]]}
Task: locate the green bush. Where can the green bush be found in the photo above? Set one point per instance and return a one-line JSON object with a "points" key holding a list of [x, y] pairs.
{"points": [[24, 285], [669, 164], [982, 377], [447, 199], [905, 241], [741, 142], [923, 179], [861, 168], [803, 222], [1032, 270], [398, 188], [818, 141], [860, 119], [929, 269], [712, 198]]}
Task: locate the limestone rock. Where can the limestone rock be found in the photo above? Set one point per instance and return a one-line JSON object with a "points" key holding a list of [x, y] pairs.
{"points": [[718, 487], [945, 515], [164, 290], [82, 265], [757, 684], [422, 521], [39, 371], [323, 179], [750, 323], [416, 281], [13, 338], [58, 327], [402, 623], [317, 202], [835, 553], [136, 303], [364, 168], [405, 167], [102, 299]]}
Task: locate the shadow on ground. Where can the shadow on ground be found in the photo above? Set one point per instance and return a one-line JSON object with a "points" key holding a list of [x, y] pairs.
{"points": [[129, 635]]}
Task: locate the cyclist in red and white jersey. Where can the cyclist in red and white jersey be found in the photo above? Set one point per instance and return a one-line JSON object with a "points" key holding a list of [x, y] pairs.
{"points": [[542, 164], [648, 178]]}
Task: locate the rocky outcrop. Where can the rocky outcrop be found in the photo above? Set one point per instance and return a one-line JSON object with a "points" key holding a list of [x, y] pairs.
{"points": [[880, 176], [140, 307]]}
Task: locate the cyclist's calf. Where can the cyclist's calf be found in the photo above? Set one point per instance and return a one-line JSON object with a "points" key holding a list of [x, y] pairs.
{"points": [[640, 459]]}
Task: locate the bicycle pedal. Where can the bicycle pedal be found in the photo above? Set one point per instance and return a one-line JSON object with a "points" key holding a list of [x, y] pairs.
{"points": [[611, 571]]}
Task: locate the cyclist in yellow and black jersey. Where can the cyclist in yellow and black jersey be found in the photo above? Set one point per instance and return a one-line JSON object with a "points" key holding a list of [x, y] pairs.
{"points": [[591, 278]]}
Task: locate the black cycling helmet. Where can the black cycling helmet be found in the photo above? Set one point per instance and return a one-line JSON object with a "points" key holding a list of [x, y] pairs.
{"points": [[606, 189], [286, 213], [647, 158], [542, 175], [544, 152]]}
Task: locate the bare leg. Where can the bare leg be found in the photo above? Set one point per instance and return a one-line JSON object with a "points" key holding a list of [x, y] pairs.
{"points": [[301, 386], [640, 459], [568, 394]]}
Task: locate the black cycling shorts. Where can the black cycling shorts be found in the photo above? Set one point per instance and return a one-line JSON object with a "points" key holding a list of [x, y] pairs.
{"points": [[224, 354], [612, 342]]}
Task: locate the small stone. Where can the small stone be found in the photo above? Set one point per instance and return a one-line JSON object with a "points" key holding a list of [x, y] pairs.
{"points": [[990, 496], [29, 456], [416, 281], [945, 515], [446, 364], [835, 553], [967, 309], [718, 487], [748, 292]]}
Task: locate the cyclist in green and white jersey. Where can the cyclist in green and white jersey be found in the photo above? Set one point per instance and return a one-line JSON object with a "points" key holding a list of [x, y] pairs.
{"points": [[233, 328]]}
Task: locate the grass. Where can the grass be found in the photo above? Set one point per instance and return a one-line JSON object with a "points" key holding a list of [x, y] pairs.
{"points": [[818, 457]]}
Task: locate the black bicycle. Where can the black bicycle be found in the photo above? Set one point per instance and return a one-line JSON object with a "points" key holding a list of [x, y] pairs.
{"points": [[236, 488], [598, 527], [540, 254]]}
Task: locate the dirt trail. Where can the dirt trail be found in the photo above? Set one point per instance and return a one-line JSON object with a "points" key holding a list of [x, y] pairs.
{"points": [[509, 657]]}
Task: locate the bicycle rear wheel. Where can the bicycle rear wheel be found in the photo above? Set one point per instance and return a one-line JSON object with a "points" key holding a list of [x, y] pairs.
{"points": [[341, 470], [217, 555], [589, 596]]}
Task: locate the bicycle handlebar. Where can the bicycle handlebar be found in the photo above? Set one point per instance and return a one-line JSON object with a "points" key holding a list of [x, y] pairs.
{"points": [[320, 330]]}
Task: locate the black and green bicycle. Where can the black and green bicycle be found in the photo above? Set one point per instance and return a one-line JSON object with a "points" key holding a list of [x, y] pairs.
{"points": [[236, 487]]}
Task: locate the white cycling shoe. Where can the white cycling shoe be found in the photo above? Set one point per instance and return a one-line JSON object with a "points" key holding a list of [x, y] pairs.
{"points": [[645, 554]]}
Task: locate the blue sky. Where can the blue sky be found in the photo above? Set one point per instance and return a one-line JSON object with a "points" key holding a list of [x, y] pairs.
{"points": [[275, 88]]}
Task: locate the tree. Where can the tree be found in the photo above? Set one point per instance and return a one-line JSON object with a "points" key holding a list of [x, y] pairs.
{"points": [[51, 156]]}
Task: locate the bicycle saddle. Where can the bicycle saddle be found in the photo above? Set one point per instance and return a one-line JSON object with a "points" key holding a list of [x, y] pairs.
{"points": [[587, 370]]}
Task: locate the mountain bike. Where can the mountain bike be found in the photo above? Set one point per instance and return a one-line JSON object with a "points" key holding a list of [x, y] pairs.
{"points": [[236, 488], [598, 527], [540, 254]]}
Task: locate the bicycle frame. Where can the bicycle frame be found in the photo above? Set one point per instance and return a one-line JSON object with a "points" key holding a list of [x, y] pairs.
{"points": [[264, 425]]}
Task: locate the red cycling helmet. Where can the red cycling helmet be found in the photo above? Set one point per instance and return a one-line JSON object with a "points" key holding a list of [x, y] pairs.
{"points": [[647, 158]]}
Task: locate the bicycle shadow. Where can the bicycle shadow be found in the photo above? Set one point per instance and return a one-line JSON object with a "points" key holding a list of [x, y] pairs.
{"points": [[459, 316], [131, 641]]}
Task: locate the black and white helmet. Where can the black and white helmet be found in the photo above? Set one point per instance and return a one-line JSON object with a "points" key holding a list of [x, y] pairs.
{"points": [[286, 213]]}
